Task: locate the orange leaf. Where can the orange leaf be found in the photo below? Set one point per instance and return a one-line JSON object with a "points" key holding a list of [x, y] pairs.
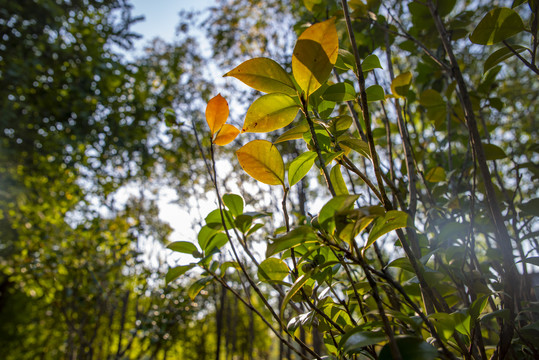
{"points": [[216, 113], [226, 135]]}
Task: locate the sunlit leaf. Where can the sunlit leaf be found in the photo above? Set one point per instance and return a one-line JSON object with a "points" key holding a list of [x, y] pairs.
{"points": [[314, 55], [300, 235], [270, 112], [401, 84], [294, 133], [262, 160], [176, 272], [337, 180], [264, 75], [357, 145], [216, 113], [226, 135], [298, 284], [332, 207], [436, 174], [273, 269], [197, 286], [392, 220], [234, 203], [300, 166], [497, 25], [185, 247]]}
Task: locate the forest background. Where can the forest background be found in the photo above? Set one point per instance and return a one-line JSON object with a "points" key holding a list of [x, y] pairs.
{"points": [[398, 219]]}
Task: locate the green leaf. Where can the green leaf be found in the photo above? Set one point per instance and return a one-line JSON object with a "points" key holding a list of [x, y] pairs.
{"points": [[295, 133], [392, 220], [243, 222], [355, 340], [185, 247], [270, 112], [298, 284], [357, 145], [337, 180], [210, 238], [264, 75], [435, 104], [371, 62], [436, 174], [326, 218], [497, 25], [410, 348], [300, 235], [314, 55], [273, 269], [176, 272], [215, 221], [234, 203], [197, 286], [375, 93], [501, 55], [261, 160], [401, 84], [300, 166], [530, 207], [493, 152], [340, 92], [444, 323]]}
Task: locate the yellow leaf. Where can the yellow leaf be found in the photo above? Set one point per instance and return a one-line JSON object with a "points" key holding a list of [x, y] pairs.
{"points": [[315, 55], [264, 75], [270, 112], [261, 160], [226, 135], [216, 113], [401, 84]]}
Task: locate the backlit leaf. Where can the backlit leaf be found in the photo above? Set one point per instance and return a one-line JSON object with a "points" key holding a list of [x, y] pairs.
{"points": [[298, 284], [264, 75], [337, 180], [436, 174], [226, 135], [340, 92], [401, 84], [273, 269], [375, 93], [261, 160], [216, 113], [185, 247], [357, 145], [371, 62], [497, 25], [501, 55], [300, 235], [314, 55], [300, 166], [393, 219], [294, 133], [176, 272], [270, 112], [234, 203]]}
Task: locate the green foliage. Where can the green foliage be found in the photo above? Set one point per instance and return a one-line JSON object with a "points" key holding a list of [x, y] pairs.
{"points": [[414, 253]]}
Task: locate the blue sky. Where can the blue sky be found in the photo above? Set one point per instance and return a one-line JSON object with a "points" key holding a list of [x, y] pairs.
{"points": [[162, 16]]}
